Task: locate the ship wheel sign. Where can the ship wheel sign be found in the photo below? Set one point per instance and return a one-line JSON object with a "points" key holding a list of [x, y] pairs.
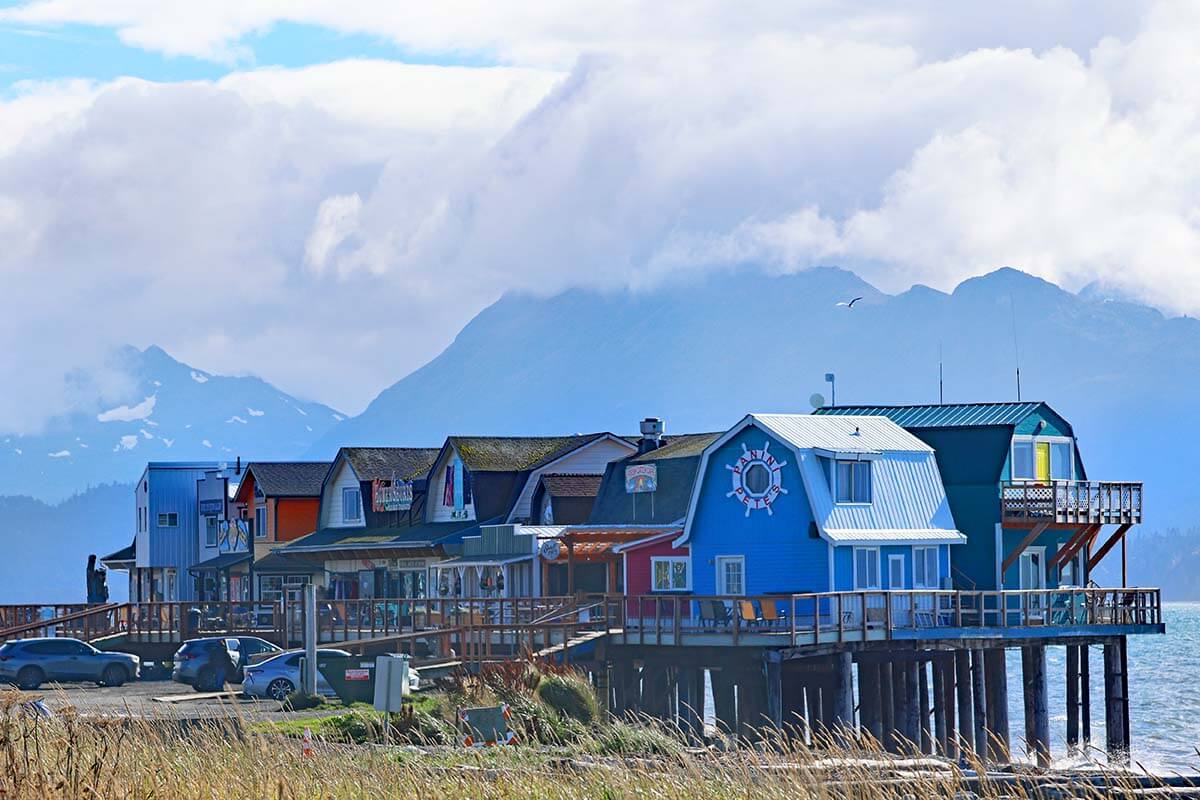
{"points": [[757, 479]]}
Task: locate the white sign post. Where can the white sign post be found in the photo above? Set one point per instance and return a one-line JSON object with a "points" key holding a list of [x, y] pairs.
{"points": [[309, 678]]}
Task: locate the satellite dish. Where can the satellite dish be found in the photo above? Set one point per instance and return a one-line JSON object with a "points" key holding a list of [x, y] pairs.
{"points": [[817, 400]]}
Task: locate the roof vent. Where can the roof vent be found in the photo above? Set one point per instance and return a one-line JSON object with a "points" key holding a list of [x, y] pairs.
{"points": [[652, 429], [857, 432]]}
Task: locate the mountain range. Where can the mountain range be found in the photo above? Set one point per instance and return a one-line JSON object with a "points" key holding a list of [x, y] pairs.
{"points": [[699, 355]]}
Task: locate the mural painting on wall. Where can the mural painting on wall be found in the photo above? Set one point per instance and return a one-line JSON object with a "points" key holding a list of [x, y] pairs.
{"points": [[757, 479]]}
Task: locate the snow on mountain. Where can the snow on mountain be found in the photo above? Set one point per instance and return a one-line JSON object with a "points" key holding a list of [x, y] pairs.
{"points": [[174, 412]]}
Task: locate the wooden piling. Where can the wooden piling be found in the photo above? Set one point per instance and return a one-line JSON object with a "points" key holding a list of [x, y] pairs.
{"points": [[1072, 698], [923, 706], [887, 705], [966, 707], [843, 694], [773, 676], [794, 717], [996, 670], [940, 737], [1037, 716], [724, 702], [691, 703], [979, 704], [948, 698], [912, 687], [1085, 695], [1116, 702], [870, 713]]}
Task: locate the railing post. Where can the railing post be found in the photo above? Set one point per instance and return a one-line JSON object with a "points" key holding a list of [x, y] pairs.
{"points": [[912, 609], [863, 612], [840, 624], [793, 620]]}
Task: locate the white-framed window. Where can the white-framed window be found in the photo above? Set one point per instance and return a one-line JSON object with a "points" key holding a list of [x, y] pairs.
{"points": [[1041, 458], [142, 519], [260, 522], [925, 567], [853, 481], [731, 575], [351, 504], [210, 531], [669, 574], [895, 572], [168, 520], [866, 568]]}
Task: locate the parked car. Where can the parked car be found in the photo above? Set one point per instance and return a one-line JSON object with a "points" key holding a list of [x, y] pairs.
{"points": [[279, 676], [31, 662], [208, 664], [253, 651]]}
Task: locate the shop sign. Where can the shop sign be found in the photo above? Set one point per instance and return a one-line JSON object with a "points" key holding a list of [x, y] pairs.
{"points": [[641, 478]]}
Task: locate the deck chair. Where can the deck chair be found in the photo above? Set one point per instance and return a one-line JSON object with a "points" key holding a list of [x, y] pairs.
{"points": [[771, 613], [707, 618], [748, 614]]}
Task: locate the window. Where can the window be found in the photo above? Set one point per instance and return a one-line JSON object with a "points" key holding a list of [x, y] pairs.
{"points": [[141, 520], [1060, 461], [925, 567], [260, 522], [210, 531], [669, 574], [731, 575], [1022, 460], [895, 572], [170, 520], [351, 505], [866, 568], [854, 481], [757, 479]]}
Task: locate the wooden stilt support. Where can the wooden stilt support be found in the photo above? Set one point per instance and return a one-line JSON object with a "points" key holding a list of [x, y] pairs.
{"points": [[794, 723], [843, 696], [966, 708], [948, 698], [724, 703], [923, 706], [900, 704], [870, 712], [752, 711], [1037, 715], [1085, 695], [1116, 702], [940, 739], [1072, 698], [997, 704], [773, 675], [691, 703], [979, 704], [912, 717], [887, 706]]}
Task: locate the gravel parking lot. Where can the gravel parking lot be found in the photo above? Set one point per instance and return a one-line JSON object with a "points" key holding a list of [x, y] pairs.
{"points": [[141, 699]]}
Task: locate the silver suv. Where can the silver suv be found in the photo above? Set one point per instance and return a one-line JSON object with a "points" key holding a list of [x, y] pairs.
{"points": [[31, 662]]}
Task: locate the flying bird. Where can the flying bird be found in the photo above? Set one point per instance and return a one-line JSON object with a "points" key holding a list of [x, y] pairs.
{"points": [[851, 303]]}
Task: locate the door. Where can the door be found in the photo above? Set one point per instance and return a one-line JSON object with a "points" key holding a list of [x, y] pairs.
{"points": [[1033, 577], [731, 575], [1042, 462]]}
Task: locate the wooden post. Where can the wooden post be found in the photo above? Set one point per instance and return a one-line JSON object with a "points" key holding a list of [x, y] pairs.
{"points": [[923, 706], [869, 697], [948, 697], [900, 706], [887, 706], [1085, 695], [691, 703], [997, 704], [1072, 698], [979, 705], [752, 711], [912, 687], [792, 692], [1115, 702], [843, 694], [773, 674], [966, 709], [1037, 716], [941, 740]]}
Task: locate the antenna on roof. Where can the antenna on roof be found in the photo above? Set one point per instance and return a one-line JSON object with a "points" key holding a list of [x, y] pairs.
{"points": [[941, 388], [1012, 306]]}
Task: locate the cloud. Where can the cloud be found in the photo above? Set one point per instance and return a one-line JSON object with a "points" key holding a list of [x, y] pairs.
{"points": [[361, 212]]}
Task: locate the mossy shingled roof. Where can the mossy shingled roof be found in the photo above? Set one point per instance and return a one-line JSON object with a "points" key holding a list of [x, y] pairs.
{"points": [[516, 453]]}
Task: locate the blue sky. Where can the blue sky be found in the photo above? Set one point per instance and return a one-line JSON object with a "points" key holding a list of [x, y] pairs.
{"points": [[97, 53]]}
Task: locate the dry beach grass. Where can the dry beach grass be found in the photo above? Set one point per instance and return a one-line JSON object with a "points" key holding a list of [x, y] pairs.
{"points": [[72, 756]]}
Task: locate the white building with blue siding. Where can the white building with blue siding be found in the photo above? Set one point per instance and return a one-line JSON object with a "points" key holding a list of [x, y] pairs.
{"points": [[787, 503]]}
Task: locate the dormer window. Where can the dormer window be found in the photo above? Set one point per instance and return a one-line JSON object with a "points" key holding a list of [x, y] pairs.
{"points": [[1042, 459], [854, 481], [351, 505]]}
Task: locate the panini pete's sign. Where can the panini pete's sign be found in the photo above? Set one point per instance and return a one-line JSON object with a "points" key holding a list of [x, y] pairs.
{"points": [[391, 495], [641, 478]]}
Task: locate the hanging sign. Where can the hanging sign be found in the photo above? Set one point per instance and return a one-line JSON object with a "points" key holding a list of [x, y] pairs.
{"points": [[641, 478], [212, 506], [391, 495], [550, 549]]}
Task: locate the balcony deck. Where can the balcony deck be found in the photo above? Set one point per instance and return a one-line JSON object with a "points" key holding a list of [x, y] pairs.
{"points": [[1024, 504]]}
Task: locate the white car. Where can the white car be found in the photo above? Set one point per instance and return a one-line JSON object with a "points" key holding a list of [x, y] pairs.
{"points": [[279, 676]]}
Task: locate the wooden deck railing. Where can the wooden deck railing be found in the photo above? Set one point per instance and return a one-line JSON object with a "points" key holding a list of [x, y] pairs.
{"points": [[1071, 503], [836, 617]]}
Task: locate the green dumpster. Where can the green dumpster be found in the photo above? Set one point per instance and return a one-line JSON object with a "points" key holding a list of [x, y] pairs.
{"points": [[351, 677]]}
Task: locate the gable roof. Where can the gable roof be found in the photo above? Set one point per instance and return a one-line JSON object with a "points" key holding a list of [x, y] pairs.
{"points": [[288, 478], [909, 500], [668, 504], [862, 434], [406, 463], [515, 453], [680, 446], [566, 484], [952, 415]]}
